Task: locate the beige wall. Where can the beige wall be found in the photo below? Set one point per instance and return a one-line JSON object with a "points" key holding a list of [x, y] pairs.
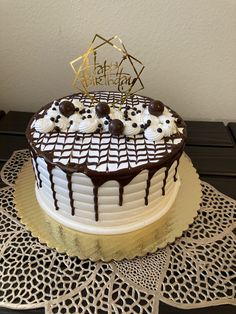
{"points": [[188, 47]]}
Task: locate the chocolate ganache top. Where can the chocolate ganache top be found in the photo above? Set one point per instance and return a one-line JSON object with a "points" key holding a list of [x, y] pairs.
{"points": [[107, 135]]}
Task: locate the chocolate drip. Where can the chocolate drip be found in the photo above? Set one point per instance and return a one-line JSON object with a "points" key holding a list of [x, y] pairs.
{"points": [[164, 180], [166, 171], [69, 177], [36, 172], [121, 192], [39, 181], [151, 173], [95, 198], [50, 168], [176, 168]]}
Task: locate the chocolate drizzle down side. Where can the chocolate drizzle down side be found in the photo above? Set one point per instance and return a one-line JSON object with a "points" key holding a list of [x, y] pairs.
{"points": [[36, 173], [69, 179], [123, 176], [50, 168]]}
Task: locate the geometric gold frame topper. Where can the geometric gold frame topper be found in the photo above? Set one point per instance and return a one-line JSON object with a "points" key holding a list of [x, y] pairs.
{"points": [[107, 63]]}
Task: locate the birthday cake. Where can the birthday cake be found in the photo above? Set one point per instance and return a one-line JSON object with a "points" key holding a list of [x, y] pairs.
{"points": [[106, 164]]}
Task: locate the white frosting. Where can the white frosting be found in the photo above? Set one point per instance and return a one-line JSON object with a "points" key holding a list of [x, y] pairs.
{"points": [[88, 125], [139, 118], [163, 118], [152, 134], [148, 116], [78, 104], [166, 112], [139, 107], [75, 119], [63, 123], [105, 125], [53, 111], [169, 128], [44, 125], [129, 130], [116, 114]]}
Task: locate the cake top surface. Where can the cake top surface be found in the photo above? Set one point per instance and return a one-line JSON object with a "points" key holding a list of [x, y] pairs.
{"points": [[107, 135]]}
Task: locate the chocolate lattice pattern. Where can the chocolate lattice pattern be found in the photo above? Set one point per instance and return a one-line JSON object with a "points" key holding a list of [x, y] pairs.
{"points": [[198, 270], [98, 149]]}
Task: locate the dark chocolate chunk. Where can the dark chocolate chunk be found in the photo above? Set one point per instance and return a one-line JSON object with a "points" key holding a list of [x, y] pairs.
{"points": [[179, 121], [83, 118], [159, 130], [144, 106], [133, 113], [76, 109], [52, 119], [57, 129], [102, 109], [67, 108], [99, 125], [142, 126], [116, 127], [54, 108], [168, 121], [106, 122], [156, 108], [82, 111], [88, 111], [134, 125], [89, 116]]}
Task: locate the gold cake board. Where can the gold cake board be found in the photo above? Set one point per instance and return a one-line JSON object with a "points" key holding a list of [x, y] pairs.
{"points": [[108, 247]]}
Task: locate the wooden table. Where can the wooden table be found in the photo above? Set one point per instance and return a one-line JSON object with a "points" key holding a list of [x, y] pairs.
{"points": [[210, 145]]}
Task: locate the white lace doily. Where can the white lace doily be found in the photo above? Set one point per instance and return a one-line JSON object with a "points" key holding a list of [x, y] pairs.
{"points": [[198, 270]]}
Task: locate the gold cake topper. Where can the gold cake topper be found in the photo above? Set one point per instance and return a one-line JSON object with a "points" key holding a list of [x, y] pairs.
{"points": [[122, 72]]}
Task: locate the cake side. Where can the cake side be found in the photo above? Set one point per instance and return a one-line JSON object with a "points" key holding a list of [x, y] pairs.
{"points": [[111, 216], [76, 192]]}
